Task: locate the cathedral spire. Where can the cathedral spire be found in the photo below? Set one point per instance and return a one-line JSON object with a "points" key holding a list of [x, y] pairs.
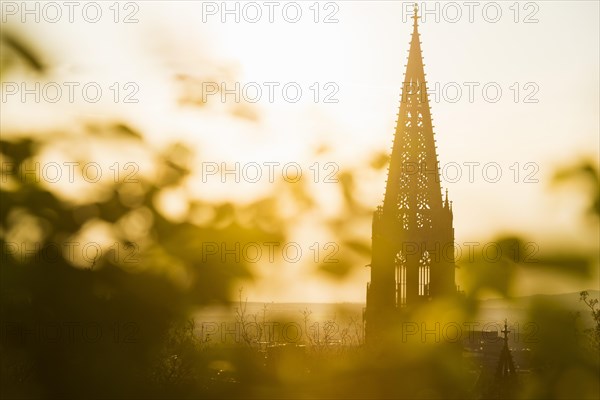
{"points": [[413, 173], [413, 215]]}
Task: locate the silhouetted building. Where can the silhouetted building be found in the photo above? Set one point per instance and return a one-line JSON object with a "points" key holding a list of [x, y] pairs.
{"points": [[413, 251], [500, 383]]}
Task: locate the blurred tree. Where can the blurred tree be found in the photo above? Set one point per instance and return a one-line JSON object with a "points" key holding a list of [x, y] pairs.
{"points": [[586, 173], [104, 325]]}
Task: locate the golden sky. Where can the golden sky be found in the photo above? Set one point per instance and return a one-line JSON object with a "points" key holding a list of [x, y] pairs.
{"points": [[547, 52]]}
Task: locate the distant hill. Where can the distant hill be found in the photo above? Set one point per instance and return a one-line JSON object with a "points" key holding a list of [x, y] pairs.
{"points": [[491, 309], [567, 300]]}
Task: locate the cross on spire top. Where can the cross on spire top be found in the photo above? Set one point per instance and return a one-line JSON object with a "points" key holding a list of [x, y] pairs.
{"points": [[415, 15], [505, 331]]}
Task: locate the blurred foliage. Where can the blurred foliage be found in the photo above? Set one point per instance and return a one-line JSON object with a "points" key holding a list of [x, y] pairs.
{"points": [[15, 50], [584, 172], [562, 365], [130, 304]]}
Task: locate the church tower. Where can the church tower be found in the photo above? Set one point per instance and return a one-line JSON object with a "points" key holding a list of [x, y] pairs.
{"points": [[412, 241]]}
